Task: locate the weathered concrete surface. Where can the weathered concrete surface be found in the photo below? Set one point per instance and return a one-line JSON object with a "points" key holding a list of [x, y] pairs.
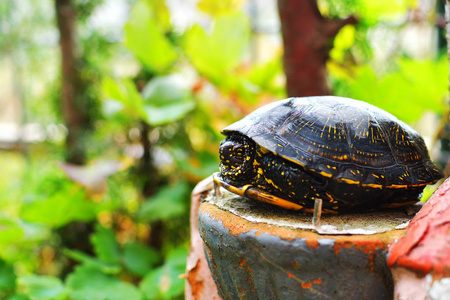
{"points": [[368, 223], [199, 283], [424, 251], [265, 261]]}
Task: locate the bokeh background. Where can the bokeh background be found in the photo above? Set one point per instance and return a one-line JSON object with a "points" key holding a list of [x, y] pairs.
{"points": [[111, 112]]}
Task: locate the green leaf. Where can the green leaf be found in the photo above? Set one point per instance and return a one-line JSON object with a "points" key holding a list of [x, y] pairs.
{"points": [[66, 205], [177, 257], [264, 75], [205, 164], [162, 90], [125, 92], [168, 203], [40, 287], [342, 42], [161, 14], [215, 8], [385, 10], [165, 282], [10, 230], [417, 85], [217, 53], [167, 99], [157, 116], [7, 277], [144, 38], [105, 244], [19, 297], [86, 260], [139, 258], [367, 11], [90, 283]]}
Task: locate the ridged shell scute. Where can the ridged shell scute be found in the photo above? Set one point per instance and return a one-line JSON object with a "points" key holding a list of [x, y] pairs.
{"points": [[341, 138]]}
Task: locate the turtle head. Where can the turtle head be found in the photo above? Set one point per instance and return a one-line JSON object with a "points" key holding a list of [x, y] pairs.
{"points": [[237, 154]]}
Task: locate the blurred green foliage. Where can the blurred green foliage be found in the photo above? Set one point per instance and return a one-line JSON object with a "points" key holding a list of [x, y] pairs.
{"points": [[185, 85], [421, 85]]}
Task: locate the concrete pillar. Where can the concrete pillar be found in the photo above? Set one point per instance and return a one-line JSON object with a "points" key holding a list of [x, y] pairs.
{"points": [[258, 251]]}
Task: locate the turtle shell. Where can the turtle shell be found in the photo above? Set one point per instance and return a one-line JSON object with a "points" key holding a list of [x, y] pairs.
{"points": [[344, 139]]}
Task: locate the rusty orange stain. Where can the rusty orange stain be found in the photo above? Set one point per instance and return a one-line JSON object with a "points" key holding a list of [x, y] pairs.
{"points": [[293, 263], [367, 244], [211, 256], [242, 263], [308, 284], [196, 285], [290, 275], [238, 225], [312, 243]]}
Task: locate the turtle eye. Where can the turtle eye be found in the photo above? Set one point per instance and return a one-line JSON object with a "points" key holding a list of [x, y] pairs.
{"points": [[236, 157]]}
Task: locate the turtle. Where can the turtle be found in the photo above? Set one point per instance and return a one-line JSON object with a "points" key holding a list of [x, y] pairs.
{"points": [[350, 154]]}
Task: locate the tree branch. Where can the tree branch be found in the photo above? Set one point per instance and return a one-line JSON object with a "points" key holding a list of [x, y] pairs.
{"points": [[307, 40], [333, 26]]}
